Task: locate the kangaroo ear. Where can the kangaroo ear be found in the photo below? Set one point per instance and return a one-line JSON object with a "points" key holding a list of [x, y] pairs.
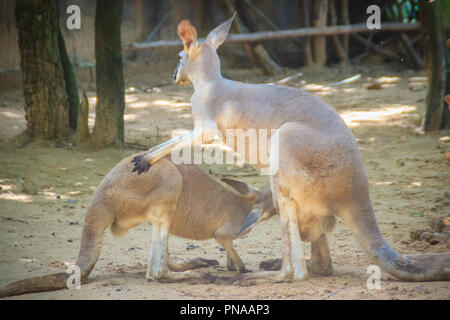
{"points": [[242, 188], [187, 33], [219, 34]]}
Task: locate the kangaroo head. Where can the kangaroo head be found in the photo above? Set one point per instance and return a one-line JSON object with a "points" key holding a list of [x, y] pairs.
{"points": [[199, 59], [260, 200]]}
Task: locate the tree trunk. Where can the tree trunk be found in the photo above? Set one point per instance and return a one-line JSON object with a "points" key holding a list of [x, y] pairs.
{"points": [[109, 126], [69, 78], [46, 105], [437, 62], [320, 9]]}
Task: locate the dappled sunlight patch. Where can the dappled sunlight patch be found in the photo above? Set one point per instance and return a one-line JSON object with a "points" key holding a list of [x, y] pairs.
{"points": [[178, 132], [15, 197], [28, 260], [386, 79], [319, 89], [138, 105], [174, 103], [129, 117], [186, 116], [418, 79], [11, 115], [131, 98], [6, 187], [349, 90], [353, 118], [415, 184], [49, 195], [384, 183]]}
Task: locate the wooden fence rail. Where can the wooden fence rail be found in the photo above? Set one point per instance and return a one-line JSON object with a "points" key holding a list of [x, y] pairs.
{"points": [[291, 33]]}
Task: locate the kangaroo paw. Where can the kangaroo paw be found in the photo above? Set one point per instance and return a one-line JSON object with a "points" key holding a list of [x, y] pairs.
{"points": [[141, 164]]}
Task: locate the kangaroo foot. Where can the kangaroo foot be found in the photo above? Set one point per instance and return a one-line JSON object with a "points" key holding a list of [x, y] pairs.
{"points": [[191, 264], [244, 270], [319, 268], [263, 277], [314, 268]]}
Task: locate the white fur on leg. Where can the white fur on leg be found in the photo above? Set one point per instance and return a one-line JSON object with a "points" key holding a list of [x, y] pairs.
{"points": [[158, 262], [293, 252]]}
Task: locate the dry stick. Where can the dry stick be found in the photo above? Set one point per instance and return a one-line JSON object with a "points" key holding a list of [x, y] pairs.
{"points": [[238, 26], [269, 65], [369, 39], [410, 48], [377, 49], [405, 53], [385, 45], [160, 23], [287, 79], [333, 293], [348, 80], [267, 20]]}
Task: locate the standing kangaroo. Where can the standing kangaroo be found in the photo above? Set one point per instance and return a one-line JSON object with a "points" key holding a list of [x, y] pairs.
{"points": [[181, 200], [320, 175]]}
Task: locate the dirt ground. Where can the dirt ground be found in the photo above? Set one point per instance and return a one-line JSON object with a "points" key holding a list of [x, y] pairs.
{"points": [[46, 187]]}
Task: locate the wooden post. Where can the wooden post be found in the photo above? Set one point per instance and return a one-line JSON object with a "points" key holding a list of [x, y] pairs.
{"points": [[342, 54], [307, 43], [343, 19], [320, 8]]}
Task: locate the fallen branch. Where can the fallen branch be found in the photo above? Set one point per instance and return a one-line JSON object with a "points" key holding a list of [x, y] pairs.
{"points": [[287, 79], [376, 48], [413, 53], [348, 80]]}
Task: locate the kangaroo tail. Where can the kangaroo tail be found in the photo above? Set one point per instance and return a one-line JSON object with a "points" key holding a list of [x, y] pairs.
{"points": [[96, 221], [416, 267]]}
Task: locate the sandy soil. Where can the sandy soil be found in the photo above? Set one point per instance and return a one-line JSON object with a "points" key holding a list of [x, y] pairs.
{"points": [[45, 189]]}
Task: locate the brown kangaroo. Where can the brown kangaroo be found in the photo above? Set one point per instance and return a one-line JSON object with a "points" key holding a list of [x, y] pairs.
{"points": [[320, 175], [181, 200]]}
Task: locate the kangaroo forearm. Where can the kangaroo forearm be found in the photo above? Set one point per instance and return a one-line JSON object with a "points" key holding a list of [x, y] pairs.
{"points": [[197, 136]]}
